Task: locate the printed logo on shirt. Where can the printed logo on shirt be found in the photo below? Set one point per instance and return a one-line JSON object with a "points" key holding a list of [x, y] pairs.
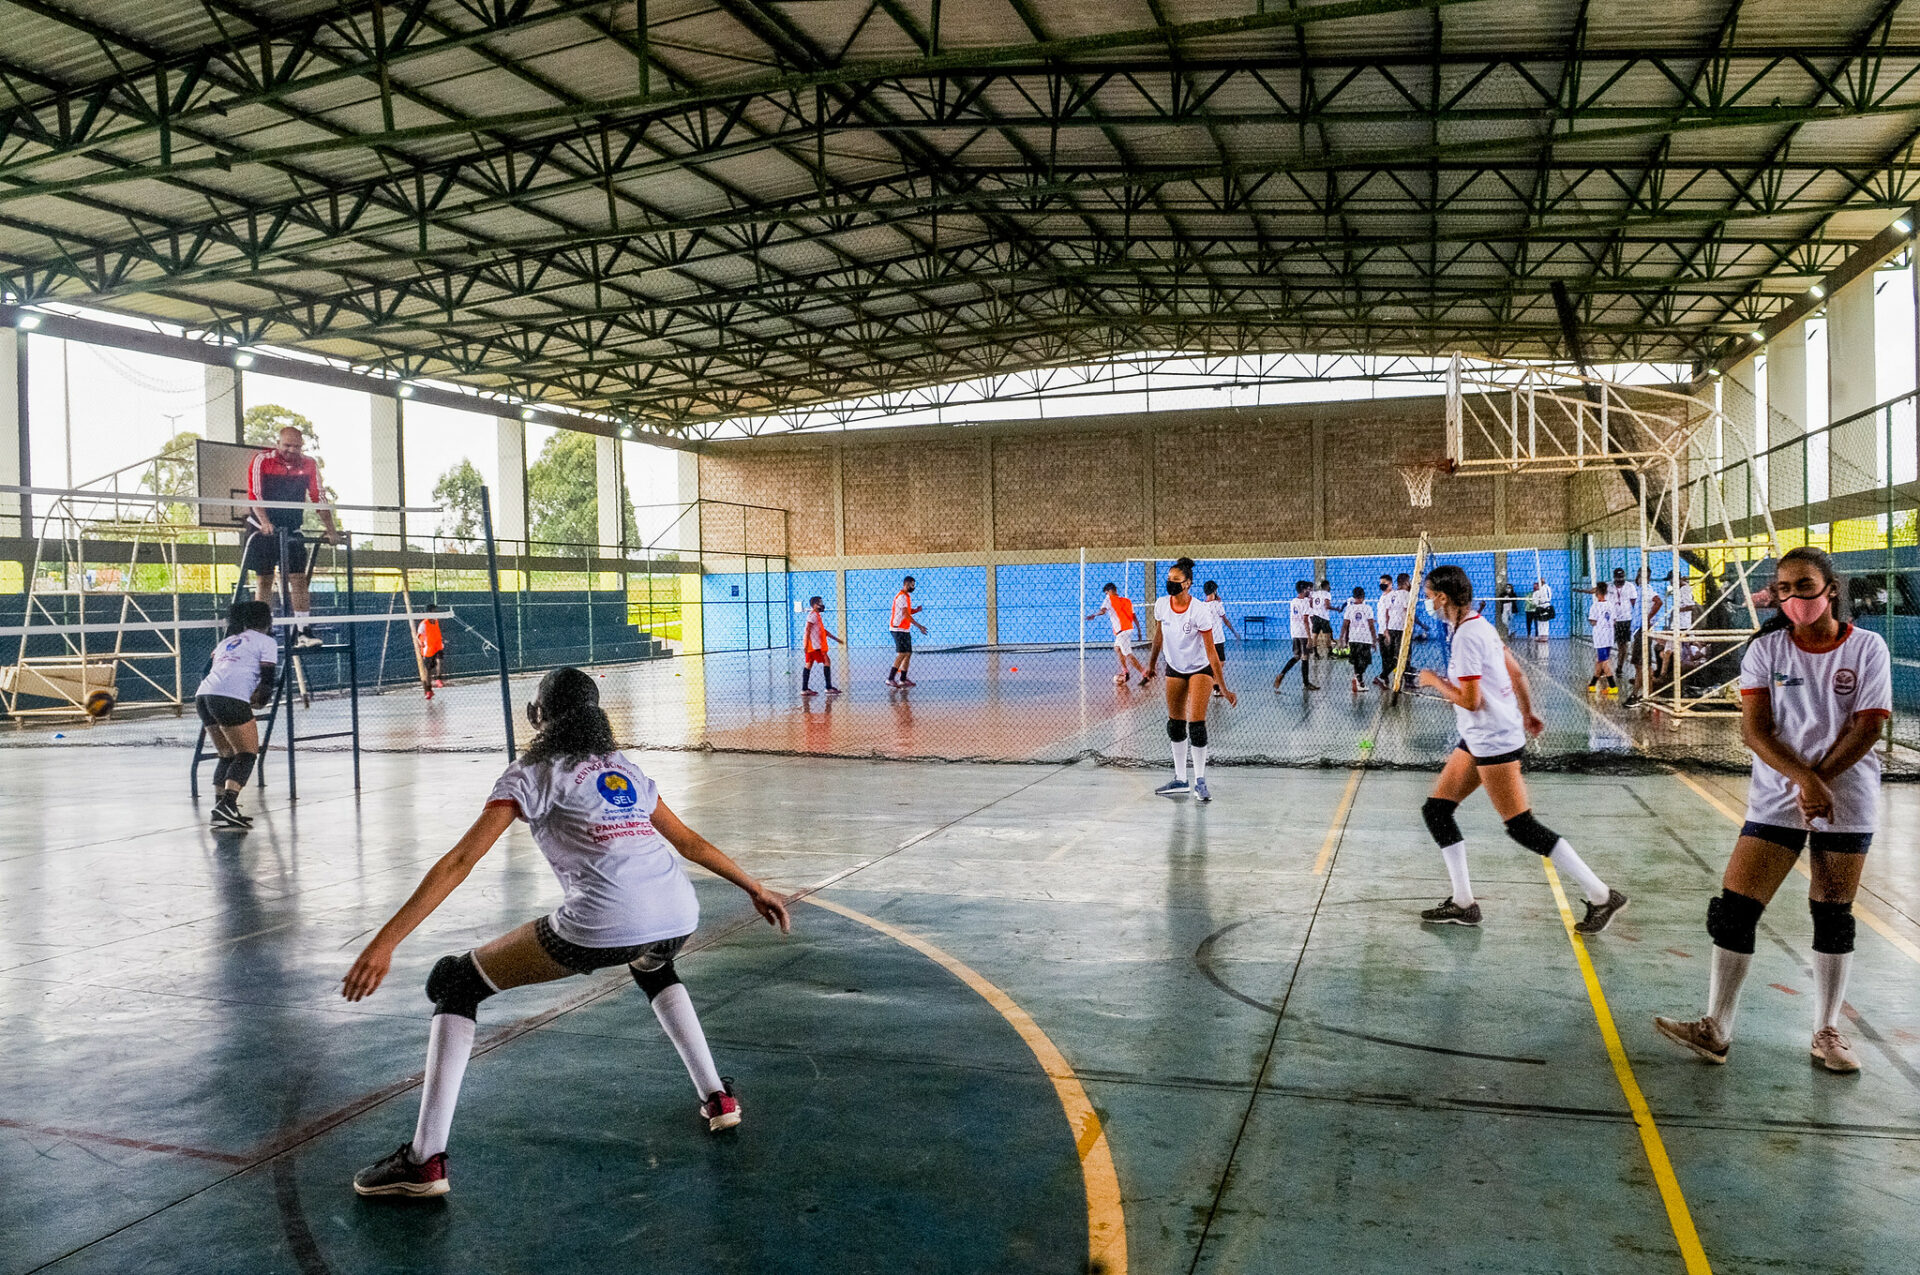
{"points": [[1844, 681], [1783, 678], [618, 790]]}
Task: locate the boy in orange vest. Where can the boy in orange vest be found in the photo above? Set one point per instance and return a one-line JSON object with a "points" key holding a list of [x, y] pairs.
{"points": [[815, 646], [1118, 608], [432, 650]]}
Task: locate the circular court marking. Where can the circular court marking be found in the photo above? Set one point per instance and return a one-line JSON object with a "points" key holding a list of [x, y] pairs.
{"points": [[1106, 1219]]}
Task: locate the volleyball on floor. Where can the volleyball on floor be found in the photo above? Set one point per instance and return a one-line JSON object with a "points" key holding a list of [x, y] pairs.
{"points": [[99, 704]]}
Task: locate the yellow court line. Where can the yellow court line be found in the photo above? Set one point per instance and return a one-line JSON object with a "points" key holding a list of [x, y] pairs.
{"points": [[1678, 1215], [1339, 822], [1875, 922], [1106, 1220]]}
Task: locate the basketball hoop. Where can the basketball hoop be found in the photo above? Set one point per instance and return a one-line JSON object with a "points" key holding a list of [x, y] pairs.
{"points": [[1419, 481]]}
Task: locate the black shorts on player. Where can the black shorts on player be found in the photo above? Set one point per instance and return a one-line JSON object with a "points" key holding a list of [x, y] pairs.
{"points": [[222, 710], [1797, 839], [903, 641]]}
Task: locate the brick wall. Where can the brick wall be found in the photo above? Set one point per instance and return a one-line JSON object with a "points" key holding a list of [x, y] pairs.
{"points": [[1303, 478]]}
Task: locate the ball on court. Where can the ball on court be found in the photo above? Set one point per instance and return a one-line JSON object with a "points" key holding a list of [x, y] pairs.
{"points": [[1014, 669], [99, 704], [1119, 679]]}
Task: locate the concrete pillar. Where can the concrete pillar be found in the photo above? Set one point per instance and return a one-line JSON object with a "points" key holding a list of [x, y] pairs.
{"points": [[226, 407], [1853, 386], [687, 529], [608, 490], [389, 474], [1786, 409], [510, 498], [16, 467]]}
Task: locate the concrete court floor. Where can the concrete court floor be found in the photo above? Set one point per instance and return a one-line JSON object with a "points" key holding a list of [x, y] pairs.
{"points": [[1290, 1072]]}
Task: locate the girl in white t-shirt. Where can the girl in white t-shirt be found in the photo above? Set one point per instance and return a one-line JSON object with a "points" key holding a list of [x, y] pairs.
{"points": [[1813, 698], [1494, 711], [239, 679], [1300, 628], [599, 821], [1184, 628]]}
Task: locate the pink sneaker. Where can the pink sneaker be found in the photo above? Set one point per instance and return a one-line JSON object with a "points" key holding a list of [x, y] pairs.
{"points": [[721, 1110], [906, 681], [809, 691]]}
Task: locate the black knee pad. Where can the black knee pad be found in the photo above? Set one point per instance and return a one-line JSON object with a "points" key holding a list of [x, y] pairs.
{"points": [[457, 986], [1532, 834], [1732, 920], [1438, 812], [655, 980], [1833, 926], [1176, 729], [220, 771], [1197, 734], [240, 768]]}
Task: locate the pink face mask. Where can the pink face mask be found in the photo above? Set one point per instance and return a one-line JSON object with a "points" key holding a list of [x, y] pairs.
{"points": [[1804, 611]]}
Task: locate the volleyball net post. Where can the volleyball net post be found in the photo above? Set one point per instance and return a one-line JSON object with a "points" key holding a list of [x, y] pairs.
{"points": [[1397, 680], [499, 621]]}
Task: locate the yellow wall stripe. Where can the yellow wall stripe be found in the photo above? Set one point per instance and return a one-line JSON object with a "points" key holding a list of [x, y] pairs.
{"points": [[1678, 1215], [1106, 1221]]}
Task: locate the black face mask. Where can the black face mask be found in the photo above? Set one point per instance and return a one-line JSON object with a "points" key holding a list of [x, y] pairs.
{"points": [[1175, 588]]}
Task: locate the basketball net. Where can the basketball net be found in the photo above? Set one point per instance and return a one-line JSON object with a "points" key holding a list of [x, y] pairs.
{"points": [[1419, 481]]}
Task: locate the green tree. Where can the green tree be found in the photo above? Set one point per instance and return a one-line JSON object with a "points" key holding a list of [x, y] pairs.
{"points": [[458, 494], [563, 503], [261, 426]]}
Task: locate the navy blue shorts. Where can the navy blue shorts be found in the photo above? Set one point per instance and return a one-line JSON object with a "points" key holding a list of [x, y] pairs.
{"points": [[585, 960], [1795, 839]]}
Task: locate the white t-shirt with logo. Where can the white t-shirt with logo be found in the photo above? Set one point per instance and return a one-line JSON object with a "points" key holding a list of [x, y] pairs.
{"points": [[1626, 599], [1359, 619], [1300, 617], [1396, 609], [1682, 604], [1600, 614], [1180, 635], [1322, 600], [623, 883], [1814, 694], [1218, 607], [1495, 727], [236, 664]]}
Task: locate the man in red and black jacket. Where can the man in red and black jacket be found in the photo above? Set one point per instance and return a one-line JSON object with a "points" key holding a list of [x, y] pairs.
{"points": [[285, 472]]}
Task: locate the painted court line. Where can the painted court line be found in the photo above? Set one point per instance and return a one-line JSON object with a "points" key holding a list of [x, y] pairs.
{"points": [[1106, 1220], [1339, 824], [1875, 922], [1679, 1217]]}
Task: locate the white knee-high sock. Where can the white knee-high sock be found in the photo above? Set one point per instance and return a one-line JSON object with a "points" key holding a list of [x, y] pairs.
{"points": [[1830, 971], [1455, 856], [1570, 863], [449, 1045], [674, 1008], [1180, 750], [1199, 754], [1728, 971]]}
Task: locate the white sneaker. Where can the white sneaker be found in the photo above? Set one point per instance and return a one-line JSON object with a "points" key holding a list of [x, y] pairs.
{"points": [[1701, 1035], [1833, 1051]]}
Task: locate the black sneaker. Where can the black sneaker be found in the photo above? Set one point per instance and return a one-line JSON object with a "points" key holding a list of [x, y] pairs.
{"points": [[227, 815], [1600, 915], [1451, 913], [398, 1174]]}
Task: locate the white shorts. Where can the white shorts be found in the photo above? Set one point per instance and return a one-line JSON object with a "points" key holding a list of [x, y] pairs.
{"points": [[1123, 643]]}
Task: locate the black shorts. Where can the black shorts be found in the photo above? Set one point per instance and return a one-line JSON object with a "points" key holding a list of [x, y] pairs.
{"points": [[222, 710], [1622, 635], [1321, 624], [903, 641], [1199, 672], [1360, 655], [1302, 648], [1501, 759], [1795, 839], [585, 960], [263, 553]]}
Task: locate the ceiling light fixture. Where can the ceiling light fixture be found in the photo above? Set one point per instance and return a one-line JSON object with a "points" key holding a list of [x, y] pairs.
{"points": [[28, 322]]}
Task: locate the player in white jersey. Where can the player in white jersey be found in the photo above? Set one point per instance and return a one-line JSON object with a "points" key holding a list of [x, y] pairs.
{"points": [[1356, 631], [1813, 698], [1183, 627], [1494, 710], [1300, 629], [599, 821], [1600, 619], [239, 680], [1222, 626], [1322, 599]]}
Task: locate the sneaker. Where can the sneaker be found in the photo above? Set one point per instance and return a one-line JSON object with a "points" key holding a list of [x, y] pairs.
{"points": [[226, 816], [809, 691], [907, 681], [1312, 686], [833, 690], [399, 1175], [306, 638], [1451, 913], [1833, 1051], [439, 684], [1200, 791], [429, 692], [1119, 679], [1600, 915], [1173, 788], [721, 1110], [1701, 1035]]}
